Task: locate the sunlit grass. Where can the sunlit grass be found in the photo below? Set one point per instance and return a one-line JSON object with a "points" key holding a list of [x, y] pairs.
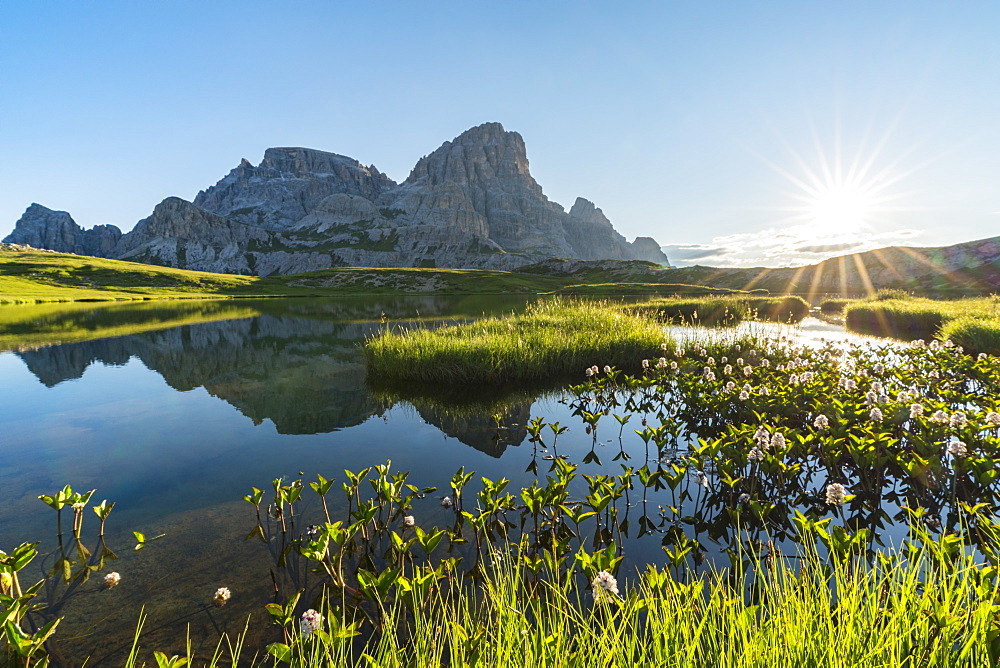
{"points": [[552, 339], [728, 310], [916, 317]]}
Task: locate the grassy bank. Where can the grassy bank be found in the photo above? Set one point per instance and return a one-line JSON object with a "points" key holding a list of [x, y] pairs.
{"points": [[552, 339], [973, 323], [728, 310], [916, 611], [42, 276], [33, 326]]}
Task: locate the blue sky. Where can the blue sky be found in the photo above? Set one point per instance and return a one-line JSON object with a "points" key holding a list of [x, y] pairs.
{"points": [[735, 133]]}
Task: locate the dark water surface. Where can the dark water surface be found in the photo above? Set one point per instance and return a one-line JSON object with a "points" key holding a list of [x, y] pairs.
{"points": [[175, 424]]}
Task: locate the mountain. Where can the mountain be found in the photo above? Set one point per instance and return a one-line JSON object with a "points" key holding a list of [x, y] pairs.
{"points": [[472, 203]]}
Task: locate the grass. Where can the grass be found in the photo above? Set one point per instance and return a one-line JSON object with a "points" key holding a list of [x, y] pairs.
{"points": [[42, 276], [916, 317], [976, 335], [920, 609], [552, 339], [729, 310], [26, 327], [835, 305]]}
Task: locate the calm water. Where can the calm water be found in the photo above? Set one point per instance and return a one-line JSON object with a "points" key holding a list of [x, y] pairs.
{"points": [[175, 424]]}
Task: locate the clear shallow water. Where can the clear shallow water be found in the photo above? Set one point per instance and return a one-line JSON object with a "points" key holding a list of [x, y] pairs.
{"points": [[176, 424]]}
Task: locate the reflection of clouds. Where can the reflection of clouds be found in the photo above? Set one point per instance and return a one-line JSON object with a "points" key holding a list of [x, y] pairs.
{"points": [[787, 247]]}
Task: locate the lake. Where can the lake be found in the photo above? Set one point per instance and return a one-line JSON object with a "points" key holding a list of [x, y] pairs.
{"points": [[174, 411]]}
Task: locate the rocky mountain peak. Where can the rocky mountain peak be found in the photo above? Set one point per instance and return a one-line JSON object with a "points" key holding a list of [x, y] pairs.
{"points": [[288, 184], [584, 209], [41, 227], [483, 153]]}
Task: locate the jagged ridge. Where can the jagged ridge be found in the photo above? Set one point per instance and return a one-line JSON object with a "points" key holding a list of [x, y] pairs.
{"points": [[472, 203]]}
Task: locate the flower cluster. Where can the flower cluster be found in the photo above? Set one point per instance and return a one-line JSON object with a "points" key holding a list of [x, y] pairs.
{"points": [[604, 586], [222, 596], [835, 494]]}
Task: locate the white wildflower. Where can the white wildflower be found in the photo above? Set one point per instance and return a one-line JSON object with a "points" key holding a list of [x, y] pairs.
{"points": [[663, 347], [993, 419], [821, 422], [980, 357], [408, 521], [934, 374], [701, 478], [870, 398], [778, 440], [728, 369], [724, 360], [710, 377], [958, 420], [879, 368], [755, 455], [710, 361], [673, 366], [835, 494], [764, 392], [221, 596], [645, 364], [957, 448], [311, 622], [744, 395], [807, 377], [607, 369], [875, 414], [762, 437], [112, 579], [744, 498], [940, 416], [730, 386], [604, 586], [739, 361], [916, 411], [446, 502]]}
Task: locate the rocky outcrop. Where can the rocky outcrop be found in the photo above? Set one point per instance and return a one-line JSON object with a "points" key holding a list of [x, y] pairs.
{"points": [[287, 185], [472, 203], [646, 249], [41, 227]]}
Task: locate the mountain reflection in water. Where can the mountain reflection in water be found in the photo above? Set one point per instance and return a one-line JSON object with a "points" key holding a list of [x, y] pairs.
{"points": [[298, 366]]}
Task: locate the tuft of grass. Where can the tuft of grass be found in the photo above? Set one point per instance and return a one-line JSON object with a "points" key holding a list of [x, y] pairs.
{"points": [[919, 609], [835, 305], [729, 310], [975, 335], [553, 339], [916, 317]]}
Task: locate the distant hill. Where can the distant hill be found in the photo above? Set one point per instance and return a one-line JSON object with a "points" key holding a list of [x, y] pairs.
{"points": [[472, 203], [972, 267]]}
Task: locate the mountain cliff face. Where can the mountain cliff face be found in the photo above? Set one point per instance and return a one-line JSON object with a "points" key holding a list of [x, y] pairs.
{"points": [[41, 227], [472, 203]]}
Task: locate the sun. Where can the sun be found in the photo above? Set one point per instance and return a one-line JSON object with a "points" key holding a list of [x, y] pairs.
{"points": [[839, 207]]}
